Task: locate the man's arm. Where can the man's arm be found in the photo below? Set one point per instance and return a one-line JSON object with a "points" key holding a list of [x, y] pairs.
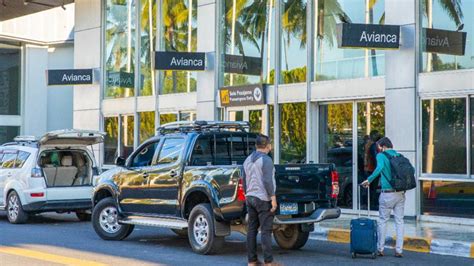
{"points": [[376, 172], [268, 180]]}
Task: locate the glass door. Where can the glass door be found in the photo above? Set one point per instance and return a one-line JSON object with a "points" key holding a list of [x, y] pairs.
{"points": [[256, 116], [345, 140]]}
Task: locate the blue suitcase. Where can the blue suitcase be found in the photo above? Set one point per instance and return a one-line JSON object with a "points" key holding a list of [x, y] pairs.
{"points": [[364, 234]]}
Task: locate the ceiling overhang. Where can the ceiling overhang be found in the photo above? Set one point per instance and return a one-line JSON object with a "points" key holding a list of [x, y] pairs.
{"points": [[10, 9]]}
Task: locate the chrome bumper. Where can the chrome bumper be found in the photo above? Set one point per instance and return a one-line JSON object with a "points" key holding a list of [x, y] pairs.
{"points": [[319, 215]]}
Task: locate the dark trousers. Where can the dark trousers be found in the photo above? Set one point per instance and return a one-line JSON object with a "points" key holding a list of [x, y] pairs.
{"points": [[259, 216]]}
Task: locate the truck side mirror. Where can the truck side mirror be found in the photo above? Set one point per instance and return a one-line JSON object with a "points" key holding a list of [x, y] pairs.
{"points": [[120, 161]]}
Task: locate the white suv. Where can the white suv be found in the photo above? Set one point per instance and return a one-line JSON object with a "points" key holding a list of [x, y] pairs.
{"points": [[55, 173]]}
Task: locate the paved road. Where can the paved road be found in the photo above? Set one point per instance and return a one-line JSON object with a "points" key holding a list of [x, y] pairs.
{"points": [[57, 239]]}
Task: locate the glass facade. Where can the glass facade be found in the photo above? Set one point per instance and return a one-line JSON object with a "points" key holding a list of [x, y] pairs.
{"points": [[332, 62], [10, 79], [8, 133], [120, 48], [168, 118], [111, 126], [445, 198], [293, 133], [440, 52], [147, 46], [179, 34], [126, 135], [147, 125], [293, 41], [248, 36], [444, 136]]}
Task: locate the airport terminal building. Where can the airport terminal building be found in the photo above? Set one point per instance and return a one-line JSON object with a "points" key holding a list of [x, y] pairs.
{"points": [[318, 76]]}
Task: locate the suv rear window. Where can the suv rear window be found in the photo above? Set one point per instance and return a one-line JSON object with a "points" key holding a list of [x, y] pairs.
{"points": [[222, 149]]}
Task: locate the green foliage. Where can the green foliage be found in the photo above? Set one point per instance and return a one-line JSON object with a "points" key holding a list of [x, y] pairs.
{"points": [[293, 132]]}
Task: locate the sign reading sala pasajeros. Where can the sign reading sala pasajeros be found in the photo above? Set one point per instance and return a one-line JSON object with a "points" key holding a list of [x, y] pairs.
{"points": [[242, 95], [180, 61], [70, 76], [444, 41], [350, 35]]}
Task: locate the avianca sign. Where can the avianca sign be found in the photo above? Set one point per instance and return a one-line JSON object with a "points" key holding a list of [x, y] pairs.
{"points": [[70, 77], [180, 61], [373, 36]]}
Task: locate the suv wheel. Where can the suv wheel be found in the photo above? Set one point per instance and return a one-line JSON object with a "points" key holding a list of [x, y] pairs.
{"points": [[201, 230], [15, 212], [291, 237], [105, 221], [83, 216]]}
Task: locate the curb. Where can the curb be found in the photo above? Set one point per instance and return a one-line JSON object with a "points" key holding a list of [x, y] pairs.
{"points": [[415, 244]]}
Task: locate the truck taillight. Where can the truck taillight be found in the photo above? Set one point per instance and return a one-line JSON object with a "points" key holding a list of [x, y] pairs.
{"points": [[334, 184], [36, 172], [240, 190]]}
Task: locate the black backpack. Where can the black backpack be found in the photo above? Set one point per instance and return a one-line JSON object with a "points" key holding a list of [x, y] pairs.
{"points": [[403, 173]]}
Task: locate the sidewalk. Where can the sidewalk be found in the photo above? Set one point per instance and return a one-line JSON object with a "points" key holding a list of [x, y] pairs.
{"points": [[427, 237]]}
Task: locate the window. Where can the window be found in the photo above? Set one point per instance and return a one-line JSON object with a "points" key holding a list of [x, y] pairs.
{"points": [[8, 133], [203, 152], [342, 63], [147, 125], [10, 58], [455, 17], [120, 46], [447, 198], [21, 159], [293, 41], [444, 136], [222, 156], [293, 132], [9, 158], [171, 151], [168, 118], [147, 26], [178, 34], [240, 149], [145, 156], [126, 141], [248, 42], [111, 139]]}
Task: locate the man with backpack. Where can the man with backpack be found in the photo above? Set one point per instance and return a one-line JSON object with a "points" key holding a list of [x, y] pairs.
{"points": [[396, 176]]}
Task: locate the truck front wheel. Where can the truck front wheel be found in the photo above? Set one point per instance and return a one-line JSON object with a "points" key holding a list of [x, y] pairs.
{"points": [[105, 221], [201, 230], [291, 237]]}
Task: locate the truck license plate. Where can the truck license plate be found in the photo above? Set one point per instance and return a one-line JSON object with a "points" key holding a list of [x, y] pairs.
{"points": [[288, 208]]}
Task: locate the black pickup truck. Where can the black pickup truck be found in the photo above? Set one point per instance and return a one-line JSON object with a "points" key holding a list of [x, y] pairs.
{"points": [[189, 178]]}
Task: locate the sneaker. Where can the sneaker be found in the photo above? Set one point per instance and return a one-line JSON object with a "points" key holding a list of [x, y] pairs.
{"points": [[398, 255], [380, 253]]}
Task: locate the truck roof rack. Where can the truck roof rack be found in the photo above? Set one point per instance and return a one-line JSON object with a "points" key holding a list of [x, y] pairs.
{"points": [[200, 126], [28, 141]]}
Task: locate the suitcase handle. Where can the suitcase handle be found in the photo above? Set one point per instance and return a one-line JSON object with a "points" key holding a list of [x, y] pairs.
{"points": [[359, 200]]}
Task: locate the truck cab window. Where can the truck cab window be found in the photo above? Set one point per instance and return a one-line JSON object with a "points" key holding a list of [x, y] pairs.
{"points": [[239, 149], [222, 156], [203, 152], [171, 150], [144, 157]]}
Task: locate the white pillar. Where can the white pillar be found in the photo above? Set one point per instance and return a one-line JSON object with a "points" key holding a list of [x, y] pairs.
{"points": [[207, 82], [400, 86]]}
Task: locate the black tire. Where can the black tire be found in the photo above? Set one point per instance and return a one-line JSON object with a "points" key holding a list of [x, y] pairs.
{"points": [[354, 255], [374, 256], [182, 233], [207, 242], [83, 216], [112, 230], [291, 237], [15, 212]]}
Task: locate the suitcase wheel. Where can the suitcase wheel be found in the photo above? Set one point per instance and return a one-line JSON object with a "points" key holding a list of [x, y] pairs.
{"points": [[354, 255], [374, 256]]}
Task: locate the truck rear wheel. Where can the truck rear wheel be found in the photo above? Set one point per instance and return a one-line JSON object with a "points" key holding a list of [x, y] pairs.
{"points": [[201, 230], [105, 221], [291, 237]]}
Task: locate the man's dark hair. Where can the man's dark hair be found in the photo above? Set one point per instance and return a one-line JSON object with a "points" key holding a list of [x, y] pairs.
{"points": [[385, 142], [262, 141]]}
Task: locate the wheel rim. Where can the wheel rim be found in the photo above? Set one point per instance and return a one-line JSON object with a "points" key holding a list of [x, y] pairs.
{"points": [[201, 230], [13, 207], [288, 232], [108, 220]]}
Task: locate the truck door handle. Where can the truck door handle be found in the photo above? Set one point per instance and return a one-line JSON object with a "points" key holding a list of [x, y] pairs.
{"points": [[145, 175], [173, 173]]}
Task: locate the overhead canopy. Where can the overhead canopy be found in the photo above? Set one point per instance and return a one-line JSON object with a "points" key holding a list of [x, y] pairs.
{"points": [[10, 9]]}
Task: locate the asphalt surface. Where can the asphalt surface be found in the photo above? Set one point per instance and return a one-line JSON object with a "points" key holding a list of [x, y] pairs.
{"points": [[57, 239]]}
